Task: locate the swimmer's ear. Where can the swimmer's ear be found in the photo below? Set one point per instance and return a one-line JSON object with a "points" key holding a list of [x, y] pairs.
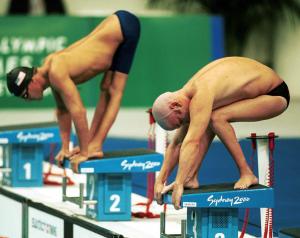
{"points": [[175, 106]]}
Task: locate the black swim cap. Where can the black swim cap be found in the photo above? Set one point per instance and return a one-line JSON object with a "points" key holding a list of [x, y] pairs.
{"points": [[18, 79]]}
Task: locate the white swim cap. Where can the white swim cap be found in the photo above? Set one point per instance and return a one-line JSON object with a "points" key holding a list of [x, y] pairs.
{"points": [[161, 109]]}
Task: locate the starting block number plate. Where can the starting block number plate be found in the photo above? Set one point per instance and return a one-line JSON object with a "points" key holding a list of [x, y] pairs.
{"points": [[219, 235]]}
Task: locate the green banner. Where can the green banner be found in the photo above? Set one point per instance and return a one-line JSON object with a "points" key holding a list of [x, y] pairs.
{"points": [[170, 51]]}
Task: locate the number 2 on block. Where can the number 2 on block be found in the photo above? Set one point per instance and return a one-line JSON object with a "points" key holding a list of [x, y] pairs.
{"points": [[116, 200]]}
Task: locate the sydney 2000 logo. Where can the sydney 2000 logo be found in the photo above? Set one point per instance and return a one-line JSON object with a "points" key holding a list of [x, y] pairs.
{"points": [[38, 137], [215, 201], [126, 165]]}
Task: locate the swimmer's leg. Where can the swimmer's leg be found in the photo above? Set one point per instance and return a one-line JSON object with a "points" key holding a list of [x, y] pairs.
{"points": [[112, 88], [256, 109]]}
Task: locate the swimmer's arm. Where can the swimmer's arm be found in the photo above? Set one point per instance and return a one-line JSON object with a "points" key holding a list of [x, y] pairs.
{"points": [[65, 87], [200, 112], [114, 97], [64, 121], [172, 154]]}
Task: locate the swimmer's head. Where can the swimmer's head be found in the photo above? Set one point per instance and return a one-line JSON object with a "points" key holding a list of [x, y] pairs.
{"points": [[27, 83], [170, 110], [18, 80]]}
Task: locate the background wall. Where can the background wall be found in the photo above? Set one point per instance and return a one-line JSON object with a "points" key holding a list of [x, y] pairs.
{"points": [[287, 59], [286, 64]]}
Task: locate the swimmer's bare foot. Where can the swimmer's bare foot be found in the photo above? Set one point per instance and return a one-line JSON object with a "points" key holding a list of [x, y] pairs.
{"points": [[246, 181], [76, 160], [193, 183], [95, 150], [74, 151], [96, 154]]}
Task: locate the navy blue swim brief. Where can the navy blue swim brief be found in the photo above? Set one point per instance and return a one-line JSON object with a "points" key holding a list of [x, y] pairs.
{"points": [[124, 55]]}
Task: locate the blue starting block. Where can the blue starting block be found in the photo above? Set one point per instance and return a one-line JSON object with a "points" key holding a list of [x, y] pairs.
{"points": [[212, 210], [292, 232], [109, 182], [22, 149]]}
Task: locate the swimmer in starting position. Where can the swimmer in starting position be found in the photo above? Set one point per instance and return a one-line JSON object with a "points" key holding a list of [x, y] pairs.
{"points": [[108, 49], [231, 89]]}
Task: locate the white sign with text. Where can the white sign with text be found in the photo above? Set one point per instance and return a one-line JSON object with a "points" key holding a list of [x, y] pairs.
{"points": [[41, 224]]}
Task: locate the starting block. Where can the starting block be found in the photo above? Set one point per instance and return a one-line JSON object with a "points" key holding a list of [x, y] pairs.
{"points": [[22, 152], [212, 210], [109, 182]]}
